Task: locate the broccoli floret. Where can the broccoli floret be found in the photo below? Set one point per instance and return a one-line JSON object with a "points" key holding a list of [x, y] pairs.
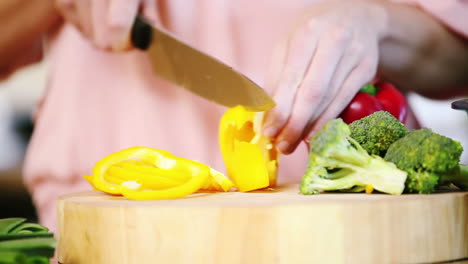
{"points": [[458, 177], [427, 157], [377, 131], [337, 162]]}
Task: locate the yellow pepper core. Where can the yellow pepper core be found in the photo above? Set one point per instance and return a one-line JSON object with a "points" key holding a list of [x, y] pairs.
{"points": [[251, 160], [142, 173]]}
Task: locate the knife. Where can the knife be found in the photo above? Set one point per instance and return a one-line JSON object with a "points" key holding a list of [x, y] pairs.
{"points": [[193, 70], [461, 105]]}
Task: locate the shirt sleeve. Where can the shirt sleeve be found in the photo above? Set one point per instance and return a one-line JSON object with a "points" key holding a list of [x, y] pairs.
{"points": [[452, 13]]}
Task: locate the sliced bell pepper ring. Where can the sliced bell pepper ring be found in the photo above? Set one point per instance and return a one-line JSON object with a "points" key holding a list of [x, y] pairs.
{"points": [[148, 177], [157, 173], [108, 178], [89, 179], [175, 174], [199, 175], [133, 153]]}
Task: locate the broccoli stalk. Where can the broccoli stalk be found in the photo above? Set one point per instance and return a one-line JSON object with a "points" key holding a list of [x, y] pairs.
{"points": [[338, 162], [430, 159]]}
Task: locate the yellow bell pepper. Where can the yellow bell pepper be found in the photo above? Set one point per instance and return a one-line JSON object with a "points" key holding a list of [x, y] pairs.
{"points": [[143, 173], [217, 182], [148, 177], [198, 173], [369, 189], [251, 160]]}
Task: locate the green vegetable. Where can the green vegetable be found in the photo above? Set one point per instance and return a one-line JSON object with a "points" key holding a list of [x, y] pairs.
{"points": [[376, 132], [25, 243], [28, 228], [337, 162], [458, 177], [9, 257], [429, 159], [8, 224], [25, 235], [37, 246], [13, 257]]}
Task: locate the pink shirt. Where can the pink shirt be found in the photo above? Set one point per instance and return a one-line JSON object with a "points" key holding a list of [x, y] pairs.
{"points": [[97, 102]]}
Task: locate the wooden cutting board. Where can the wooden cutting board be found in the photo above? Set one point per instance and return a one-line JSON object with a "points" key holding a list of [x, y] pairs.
{"points": [[275, 226]]}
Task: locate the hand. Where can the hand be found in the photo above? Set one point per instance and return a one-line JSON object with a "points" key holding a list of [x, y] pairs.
{"points": [[330, 55], [107, 23]]}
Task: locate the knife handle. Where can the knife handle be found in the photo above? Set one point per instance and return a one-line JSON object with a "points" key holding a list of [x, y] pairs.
{"points": [[461, 104], [141, 34]]}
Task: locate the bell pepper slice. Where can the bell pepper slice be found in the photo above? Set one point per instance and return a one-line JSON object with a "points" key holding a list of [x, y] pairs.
{"points": [[200, 175], [148, 177], [134, 153], [249, 157], [143, 173], [251, 172], [219, 182]]}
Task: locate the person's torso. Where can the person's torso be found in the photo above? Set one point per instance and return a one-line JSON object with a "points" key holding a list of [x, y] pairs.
{"points": [[99, 102]]}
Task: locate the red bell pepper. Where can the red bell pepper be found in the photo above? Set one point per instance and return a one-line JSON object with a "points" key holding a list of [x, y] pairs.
{"points": [[372, 98]]}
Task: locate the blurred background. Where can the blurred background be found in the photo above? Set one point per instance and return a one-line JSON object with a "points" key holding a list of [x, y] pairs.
{"points": [[19, 95]]}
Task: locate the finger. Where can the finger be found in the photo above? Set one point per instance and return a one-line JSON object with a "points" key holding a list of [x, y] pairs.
{"points": [[348, 63], [350, 60], [150, 11], [276, 66], [315, 93], [120, 19], [83, 10], [300, 52], [99, 23], [361, 75], [67, 9]]}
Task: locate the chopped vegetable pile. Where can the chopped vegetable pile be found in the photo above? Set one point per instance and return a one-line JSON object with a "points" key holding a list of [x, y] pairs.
{"points": [[375, 152], [142, 173], [430, 159], [338, 162], [378, 152]]}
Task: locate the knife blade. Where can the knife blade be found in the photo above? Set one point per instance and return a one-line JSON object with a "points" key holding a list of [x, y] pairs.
{"points": [[185, 66]]}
